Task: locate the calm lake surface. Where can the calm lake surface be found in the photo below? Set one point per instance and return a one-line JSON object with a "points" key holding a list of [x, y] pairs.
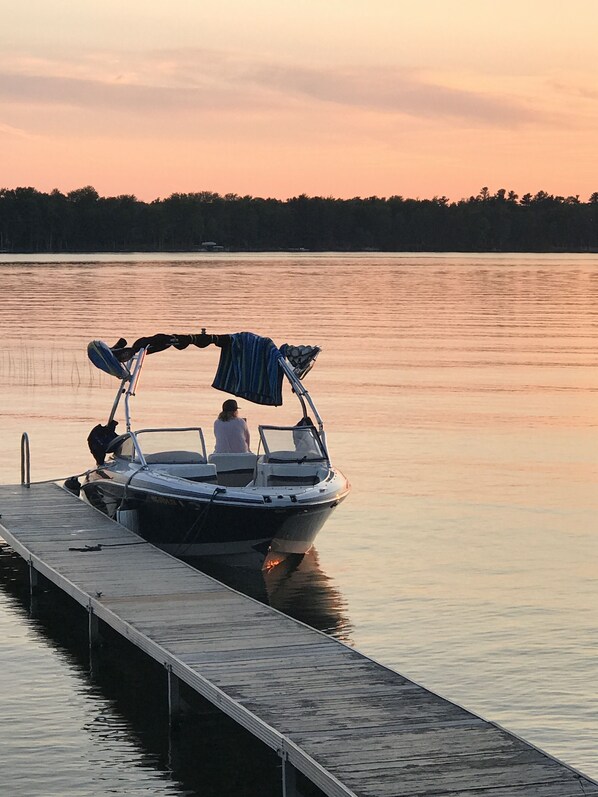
{"points": [[459, 394]]}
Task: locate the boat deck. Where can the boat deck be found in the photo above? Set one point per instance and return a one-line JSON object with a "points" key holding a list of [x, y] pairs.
{"points": [[352, 726]]}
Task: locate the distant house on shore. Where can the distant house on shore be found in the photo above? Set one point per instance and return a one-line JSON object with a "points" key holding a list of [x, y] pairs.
{"points": [[210, 246]]}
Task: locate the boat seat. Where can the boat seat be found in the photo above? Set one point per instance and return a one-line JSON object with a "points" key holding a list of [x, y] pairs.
{"points": [[175, 458], [289, 474], [234, 470], [187, 470], [245, 461]]}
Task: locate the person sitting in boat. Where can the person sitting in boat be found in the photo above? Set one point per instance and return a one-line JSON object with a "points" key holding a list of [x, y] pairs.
{"points": [[230, 431]]}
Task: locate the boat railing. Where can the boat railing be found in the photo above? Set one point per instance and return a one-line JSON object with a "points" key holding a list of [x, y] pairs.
{"points": [[300, 391], [25, 460], [134, 365]]}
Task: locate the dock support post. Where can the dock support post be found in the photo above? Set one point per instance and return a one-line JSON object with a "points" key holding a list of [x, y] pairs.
{"points": [[94, 630], [95, 639], [289, 778], [174, 697], [33, 589], [33, 578]]}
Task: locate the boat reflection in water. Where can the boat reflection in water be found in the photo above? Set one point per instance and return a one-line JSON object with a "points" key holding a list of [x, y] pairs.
{"points": [[296, 586]]}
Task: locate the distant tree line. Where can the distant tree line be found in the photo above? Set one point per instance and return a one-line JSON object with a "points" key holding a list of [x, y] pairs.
{"points": [[83, 221]]}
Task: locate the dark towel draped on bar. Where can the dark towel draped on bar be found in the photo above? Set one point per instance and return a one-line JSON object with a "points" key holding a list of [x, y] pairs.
{"points": [[249, 368]]}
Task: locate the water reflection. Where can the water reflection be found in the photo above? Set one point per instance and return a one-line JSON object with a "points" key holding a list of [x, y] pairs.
{"points": [[118, 721], [297, 586], [459, 393]]}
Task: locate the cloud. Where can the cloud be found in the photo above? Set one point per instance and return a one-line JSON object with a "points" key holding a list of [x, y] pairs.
{"points": [[118, 96], [207, 80], [394, 91], [576, 90], [9, 131]]}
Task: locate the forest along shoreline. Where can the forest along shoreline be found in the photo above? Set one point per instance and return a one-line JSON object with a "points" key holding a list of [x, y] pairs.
{"points": [[32, 221]]}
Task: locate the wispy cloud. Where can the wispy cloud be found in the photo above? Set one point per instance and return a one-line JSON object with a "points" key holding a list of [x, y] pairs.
{"points": [[8, 131], [117, 95], [393, 91], [205, 80], [575, 89]]}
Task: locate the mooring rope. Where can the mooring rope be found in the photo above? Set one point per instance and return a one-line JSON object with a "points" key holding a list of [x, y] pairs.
{"points": [[187, 541], [66, 478]]}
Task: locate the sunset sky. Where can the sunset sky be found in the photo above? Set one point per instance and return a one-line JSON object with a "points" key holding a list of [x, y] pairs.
{"points": [[276, 98]]}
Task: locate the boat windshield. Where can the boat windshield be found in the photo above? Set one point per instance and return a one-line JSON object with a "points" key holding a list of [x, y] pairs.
{"points": [[172, 446], [292, 444]]}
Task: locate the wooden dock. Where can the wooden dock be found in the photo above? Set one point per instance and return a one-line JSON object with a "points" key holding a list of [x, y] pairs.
{"points": [[350, 725]]}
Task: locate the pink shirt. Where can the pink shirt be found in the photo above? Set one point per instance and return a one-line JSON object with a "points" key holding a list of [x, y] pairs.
{"points": [[232, 437]]}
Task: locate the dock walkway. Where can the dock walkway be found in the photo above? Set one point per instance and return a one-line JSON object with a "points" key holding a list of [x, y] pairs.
{"points": [[352, 726]]}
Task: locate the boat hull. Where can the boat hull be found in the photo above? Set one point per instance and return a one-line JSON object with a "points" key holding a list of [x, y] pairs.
{"points": [[243, 534]]}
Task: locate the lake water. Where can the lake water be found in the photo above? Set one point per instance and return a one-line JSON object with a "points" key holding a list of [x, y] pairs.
{"points": [[459, 394]]}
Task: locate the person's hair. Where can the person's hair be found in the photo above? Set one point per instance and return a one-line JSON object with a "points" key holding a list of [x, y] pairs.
{"points": [[229, 407]]}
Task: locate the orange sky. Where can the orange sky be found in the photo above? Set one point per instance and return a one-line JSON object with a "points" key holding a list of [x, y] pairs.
{"points": [[324, 97]]}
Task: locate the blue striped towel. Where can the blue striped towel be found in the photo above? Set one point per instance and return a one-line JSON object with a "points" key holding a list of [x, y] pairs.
{"points": [[249, 368]]}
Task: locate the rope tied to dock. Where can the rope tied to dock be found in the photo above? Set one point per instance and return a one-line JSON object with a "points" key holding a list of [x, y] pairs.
{"points": [[100, 547], [193, 532], [67, 478]]}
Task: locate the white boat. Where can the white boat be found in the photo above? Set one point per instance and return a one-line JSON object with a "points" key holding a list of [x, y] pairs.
{"points": [[246, 509]]}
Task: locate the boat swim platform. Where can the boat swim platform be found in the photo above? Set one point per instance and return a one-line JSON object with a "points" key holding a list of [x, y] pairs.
{"points": [[350, 725]]}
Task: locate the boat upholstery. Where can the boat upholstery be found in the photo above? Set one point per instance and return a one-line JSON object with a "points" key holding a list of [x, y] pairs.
{"points": [[289, 474], [175, 458], [234, 470], [194, 472]]}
